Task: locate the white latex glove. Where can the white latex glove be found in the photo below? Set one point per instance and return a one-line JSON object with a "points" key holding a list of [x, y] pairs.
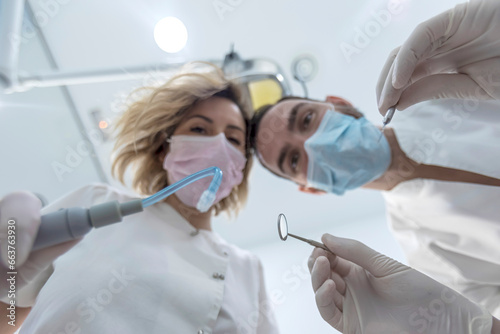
{"points": [[23, 208], [455, 54], [361, 291]]}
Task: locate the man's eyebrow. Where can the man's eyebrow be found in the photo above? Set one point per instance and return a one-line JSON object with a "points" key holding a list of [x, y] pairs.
{"points": [[293, 116], [282, 157], [202, 117]]}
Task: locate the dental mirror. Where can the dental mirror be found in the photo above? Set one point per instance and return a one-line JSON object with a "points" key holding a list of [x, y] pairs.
{"points": [[283, 233]]}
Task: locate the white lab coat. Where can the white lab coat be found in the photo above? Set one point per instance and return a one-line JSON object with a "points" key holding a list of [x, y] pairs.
{"points": [[151, 273], [451, 230]]}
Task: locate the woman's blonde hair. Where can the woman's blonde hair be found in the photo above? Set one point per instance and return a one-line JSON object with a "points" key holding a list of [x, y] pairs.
{"points": [[149, 121]]}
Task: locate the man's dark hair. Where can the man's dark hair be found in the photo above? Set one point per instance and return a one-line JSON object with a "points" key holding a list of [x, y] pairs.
{"points": [[255, 122]]}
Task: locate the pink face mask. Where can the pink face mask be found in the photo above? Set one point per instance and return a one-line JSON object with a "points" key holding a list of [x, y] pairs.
{"points": [[190, 154]]}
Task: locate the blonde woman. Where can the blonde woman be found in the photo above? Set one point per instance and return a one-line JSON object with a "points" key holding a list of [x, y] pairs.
{"points": [[162, 270]]}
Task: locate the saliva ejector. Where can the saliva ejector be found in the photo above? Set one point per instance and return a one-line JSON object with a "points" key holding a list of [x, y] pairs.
{"points": [[73, 223]]}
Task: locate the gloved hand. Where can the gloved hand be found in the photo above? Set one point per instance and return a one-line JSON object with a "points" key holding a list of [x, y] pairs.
{"points": [[22, 210], [455, 54], [361, 291]]}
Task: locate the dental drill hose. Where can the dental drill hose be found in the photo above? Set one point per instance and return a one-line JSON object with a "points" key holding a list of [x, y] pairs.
{"points": [[73, 223], [69, 224]]}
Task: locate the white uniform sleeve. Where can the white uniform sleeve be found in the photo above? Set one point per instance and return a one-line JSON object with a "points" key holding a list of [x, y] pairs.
{"points": [[267, 323], [427, 250], [439, 132], [485, 295], [82, 197]]}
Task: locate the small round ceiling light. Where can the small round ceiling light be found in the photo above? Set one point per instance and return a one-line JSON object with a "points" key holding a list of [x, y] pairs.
{"points": [[170, 34], [304, 68]]}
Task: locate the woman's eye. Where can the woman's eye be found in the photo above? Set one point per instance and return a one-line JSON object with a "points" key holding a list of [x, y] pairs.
{"points": [[198, 129], [307, 120], [234, 141], [294, 160]]}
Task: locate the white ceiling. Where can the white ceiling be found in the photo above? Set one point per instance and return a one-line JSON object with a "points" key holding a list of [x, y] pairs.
{"points": [[95, 34]]}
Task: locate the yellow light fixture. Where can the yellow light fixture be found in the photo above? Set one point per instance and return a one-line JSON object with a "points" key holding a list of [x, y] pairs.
{"points": [[262, 92]]}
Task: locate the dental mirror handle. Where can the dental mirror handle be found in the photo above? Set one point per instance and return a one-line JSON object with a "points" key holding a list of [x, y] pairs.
{"points": [[310, 242], [73, 223]]}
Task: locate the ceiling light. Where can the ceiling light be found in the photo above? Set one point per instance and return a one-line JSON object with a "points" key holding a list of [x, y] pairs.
{"points": [[170, 34]]}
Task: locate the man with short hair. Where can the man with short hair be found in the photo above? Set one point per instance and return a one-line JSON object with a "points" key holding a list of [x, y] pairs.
{"points": [[438, 166]]}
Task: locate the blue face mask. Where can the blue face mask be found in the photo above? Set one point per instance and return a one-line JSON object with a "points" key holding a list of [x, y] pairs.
{"points": [[344, 153]]}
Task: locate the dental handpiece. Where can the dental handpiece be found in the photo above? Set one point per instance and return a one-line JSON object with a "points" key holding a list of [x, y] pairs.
{"points": [[73, 223]]}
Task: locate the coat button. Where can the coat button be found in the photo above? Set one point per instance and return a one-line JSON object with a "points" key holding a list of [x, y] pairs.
{"points": [[218, 276], [201, 331]]}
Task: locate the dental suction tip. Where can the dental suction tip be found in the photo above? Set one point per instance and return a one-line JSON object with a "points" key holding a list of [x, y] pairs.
{"points": [[206, 201]]}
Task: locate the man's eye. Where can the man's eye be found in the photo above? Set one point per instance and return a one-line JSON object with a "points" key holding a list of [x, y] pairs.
{"points": [[294, 160], [307, 120], [198, 129]]}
